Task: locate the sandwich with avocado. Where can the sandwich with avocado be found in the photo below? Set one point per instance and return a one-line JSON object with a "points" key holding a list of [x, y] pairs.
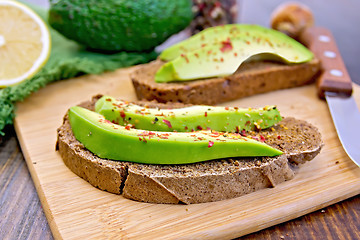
{"points": [[174, 151], [224, 63], [177, 153]]}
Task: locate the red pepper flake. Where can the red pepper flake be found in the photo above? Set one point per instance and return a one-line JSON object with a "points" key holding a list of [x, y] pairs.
{"points": [[163, 136], [247, 42], [205, 114], [186, 128], [226, 45], [235, 54], [209, 52], [167, 122], [196, 55], [262, 138], [215, 134], [243, 133], [211, 143], [127, 127], [184, 56], [199, 128], [108, 99], [237, 129], [226, 108], [151, 133], [279, 137], [221, 59], [122, 114]]}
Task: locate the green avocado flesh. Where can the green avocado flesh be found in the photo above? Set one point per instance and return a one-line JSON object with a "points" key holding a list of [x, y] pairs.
{"points": [[194, 118], [112, 141], [219, 51]]}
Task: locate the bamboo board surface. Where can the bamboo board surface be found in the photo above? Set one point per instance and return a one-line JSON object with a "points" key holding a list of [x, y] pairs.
{"points": [[76, 210]]}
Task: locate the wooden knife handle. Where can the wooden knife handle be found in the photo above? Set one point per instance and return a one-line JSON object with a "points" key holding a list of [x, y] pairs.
{"points": [[334, 77]]}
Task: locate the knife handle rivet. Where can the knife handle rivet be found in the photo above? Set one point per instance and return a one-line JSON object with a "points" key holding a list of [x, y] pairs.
{"points": [[324, 38], [336, 72], [329, 54]]}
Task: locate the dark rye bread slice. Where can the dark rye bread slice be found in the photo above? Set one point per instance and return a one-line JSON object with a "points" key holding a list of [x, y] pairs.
{"points": [[200, 182], [250, 79]]}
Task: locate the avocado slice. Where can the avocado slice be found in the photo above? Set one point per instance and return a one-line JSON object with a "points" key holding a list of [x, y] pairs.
{"points": [[112, 141], [194, 118], [221, 50]]}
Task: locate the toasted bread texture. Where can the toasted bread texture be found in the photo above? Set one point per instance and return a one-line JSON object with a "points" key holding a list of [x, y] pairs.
{"points": [[200, 182], [251, 78]]}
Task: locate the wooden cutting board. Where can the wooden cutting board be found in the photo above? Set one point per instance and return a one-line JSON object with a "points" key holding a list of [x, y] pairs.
{"points": [[76, 210]]}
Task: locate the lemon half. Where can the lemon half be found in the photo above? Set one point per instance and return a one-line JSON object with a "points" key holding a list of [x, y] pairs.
{"points": [[24, 43]]}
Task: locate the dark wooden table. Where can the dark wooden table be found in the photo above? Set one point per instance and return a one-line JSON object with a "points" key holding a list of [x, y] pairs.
{"points": [[21, 214]]}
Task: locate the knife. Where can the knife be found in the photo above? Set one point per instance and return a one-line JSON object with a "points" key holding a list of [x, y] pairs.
{"points": [[334, 84]]}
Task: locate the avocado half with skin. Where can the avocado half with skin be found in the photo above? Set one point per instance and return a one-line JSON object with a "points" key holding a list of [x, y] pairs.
{"points": [[117, 25], [219, 51]]}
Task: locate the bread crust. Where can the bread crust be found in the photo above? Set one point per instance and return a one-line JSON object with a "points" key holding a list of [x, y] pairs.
{"points": [[250, 79], [199, 182]]}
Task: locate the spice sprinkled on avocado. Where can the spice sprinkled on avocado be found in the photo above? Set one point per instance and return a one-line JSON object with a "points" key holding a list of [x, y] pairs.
{"points": [[112, 141], [197, 117], [222, 49]]}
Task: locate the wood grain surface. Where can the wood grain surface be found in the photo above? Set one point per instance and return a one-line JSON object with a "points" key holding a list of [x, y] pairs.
{"points": [[21, 214], [75, 209], [20, 209]]}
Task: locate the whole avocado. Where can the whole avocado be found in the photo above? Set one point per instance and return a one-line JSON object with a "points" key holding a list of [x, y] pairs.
{"points": [[116, 25]]}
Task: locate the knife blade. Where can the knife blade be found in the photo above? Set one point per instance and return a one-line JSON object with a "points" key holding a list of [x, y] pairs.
{"points": [[335, 86]]}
